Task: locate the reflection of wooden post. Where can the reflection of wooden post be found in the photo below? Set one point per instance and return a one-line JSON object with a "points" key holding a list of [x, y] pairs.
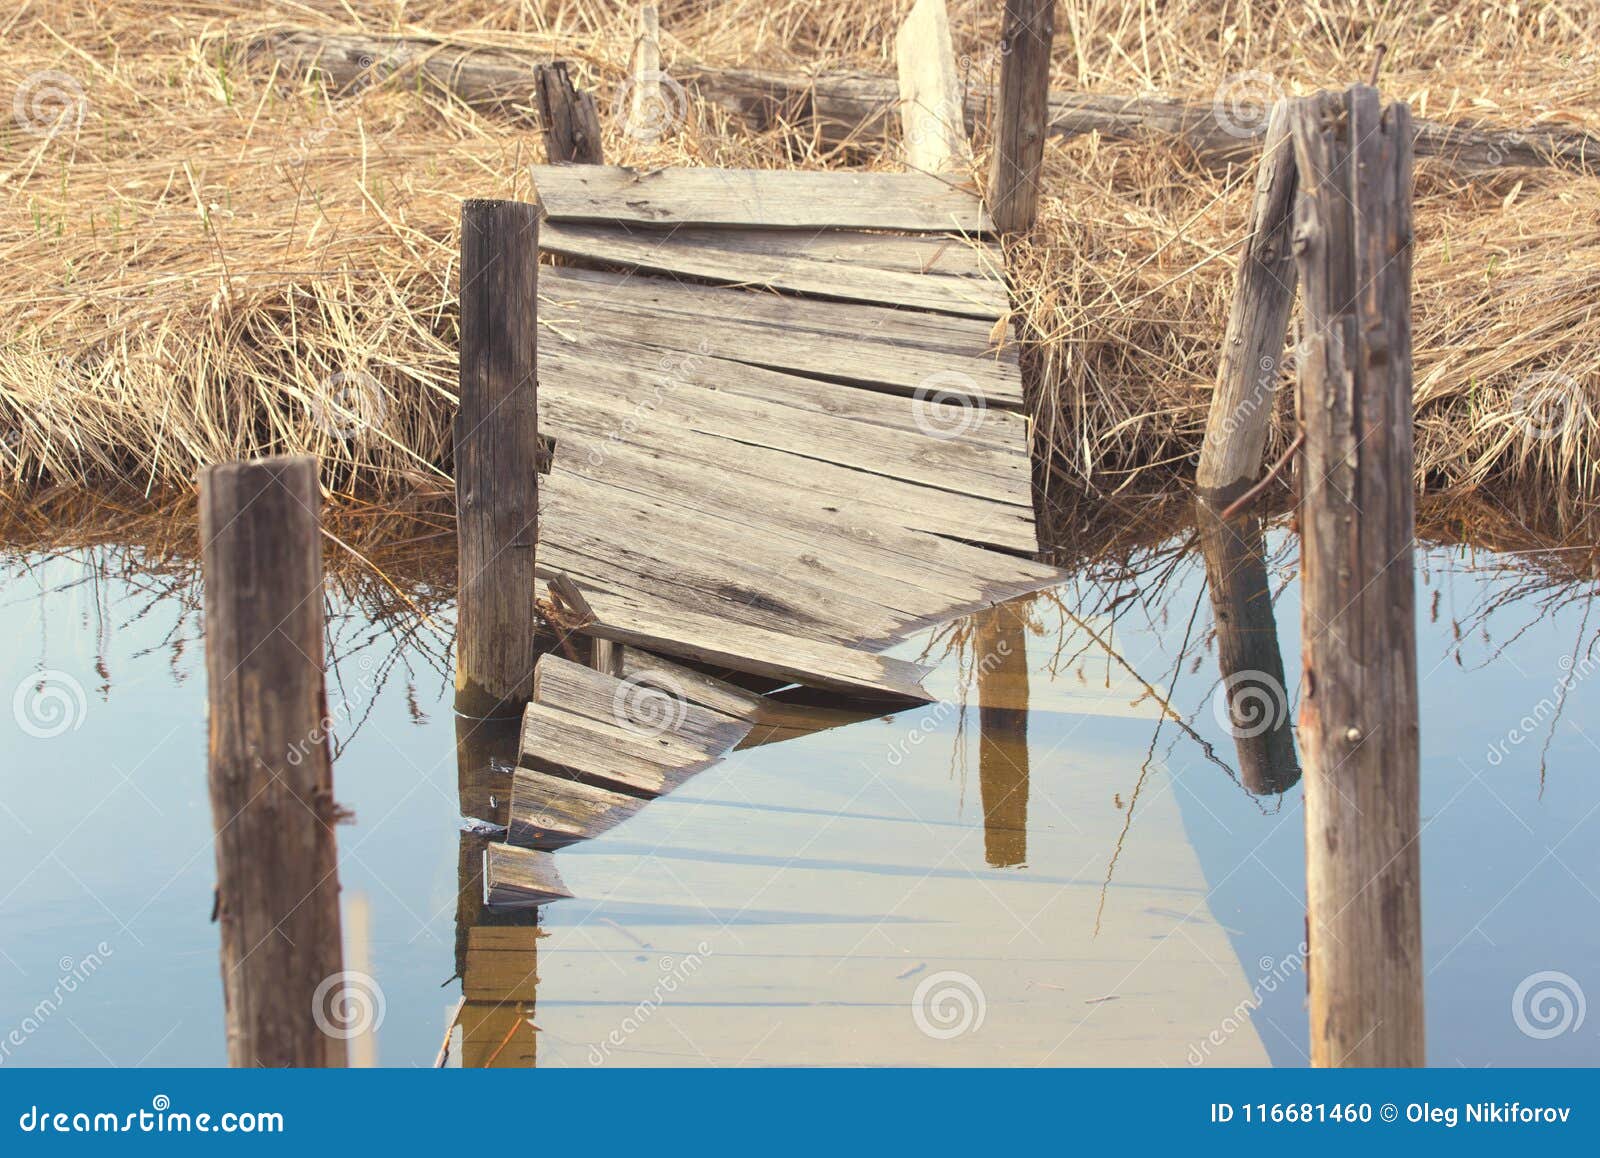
{"points": [[1022, 113], [270, 769], [496, 450], [486, 752], [1252, 348], [1001, 660], [1358, 720], [1247, 650], [570, 121]]}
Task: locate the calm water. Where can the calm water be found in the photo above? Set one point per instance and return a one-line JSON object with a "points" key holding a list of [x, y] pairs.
{"points": [[1083, 882]]}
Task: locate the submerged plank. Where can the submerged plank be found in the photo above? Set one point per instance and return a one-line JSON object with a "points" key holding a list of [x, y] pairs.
{"points": [[552, 811], [520, 877], [748, 258], [774, 199]]}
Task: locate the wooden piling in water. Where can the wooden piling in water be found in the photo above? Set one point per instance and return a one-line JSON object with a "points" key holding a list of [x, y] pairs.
{"points": [[569, 119], [270, 770], [1022, 113], [496, 457], [1252, 346], [1000, 658], [1358, 720]]}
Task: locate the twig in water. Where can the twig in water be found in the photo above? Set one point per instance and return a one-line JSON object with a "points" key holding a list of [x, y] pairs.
{"points": [[1254, 492]]}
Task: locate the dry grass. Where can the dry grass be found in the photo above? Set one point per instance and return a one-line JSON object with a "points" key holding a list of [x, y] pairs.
{"points": [[201, 265]]}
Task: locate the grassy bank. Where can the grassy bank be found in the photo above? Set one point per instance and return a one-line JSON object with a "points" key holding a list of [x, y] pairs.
{"points": [[208, 257]]}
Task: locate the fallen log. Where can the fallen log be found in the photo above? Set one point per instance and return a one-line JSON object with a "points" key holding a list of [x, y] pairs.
{"points": [[863, 108]]}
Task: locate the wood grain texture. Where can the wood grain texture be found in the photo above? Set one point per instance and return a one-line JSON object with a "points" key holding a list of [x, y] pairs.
{"points": [[549, 811], [772, 199], [1022, 113], [1358, 718], [270, 769], [496, 456], [933, 122], [520, 878], [1252, 346], [570, 120]]}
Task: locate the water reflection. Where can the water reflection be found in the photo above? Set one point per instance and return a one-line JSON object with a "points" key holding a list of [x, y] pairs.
{"points": [[1000, 642]]}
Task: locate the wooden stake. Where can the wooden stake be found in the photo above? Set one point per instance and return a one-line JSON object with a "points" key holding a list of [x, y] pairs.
{"points": [[270, 770], [570, 120], [1358, 720], [932, 115], [1248, 655], [1022, 114], [496, 452], [1252, 348]]}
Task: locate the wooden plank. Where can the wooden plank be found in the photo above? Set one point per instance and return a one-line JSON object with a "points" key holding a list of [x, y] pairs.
{"points": [[549, 811], [739, 647], [737, 257], [705, 690], [932, 117], [604, 755], [773, 199], [520, 878], [940, 463], [702, 733]]}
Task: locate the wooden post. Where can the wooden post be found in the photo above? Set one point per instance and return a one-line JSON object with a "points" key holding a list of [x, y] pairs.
{"points": [[1252, 348], [933, 118], [646, 96], [1256, 696], [1022, 114], [270, 770], [1001, 659], [569, 118], [496, 457], [1358, 719]]}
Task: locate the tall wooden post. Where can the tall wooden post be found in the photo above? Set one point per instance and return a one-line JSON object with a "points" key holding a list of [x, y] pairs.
{"points": [[1022, 113], [496, 457], [570, 121], [1252, 347], [1255, 692], [1358, 720], [270, 770]]}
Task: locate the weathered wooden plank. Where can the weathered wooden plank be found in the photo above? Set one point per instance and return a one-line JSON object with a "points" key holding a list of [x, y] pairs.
{"points": [[773, 199], [727, 256], [604, 755], [549, 811], [932, 117], [520, 877], [632, 620], [705, 690], [636, 704]]}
